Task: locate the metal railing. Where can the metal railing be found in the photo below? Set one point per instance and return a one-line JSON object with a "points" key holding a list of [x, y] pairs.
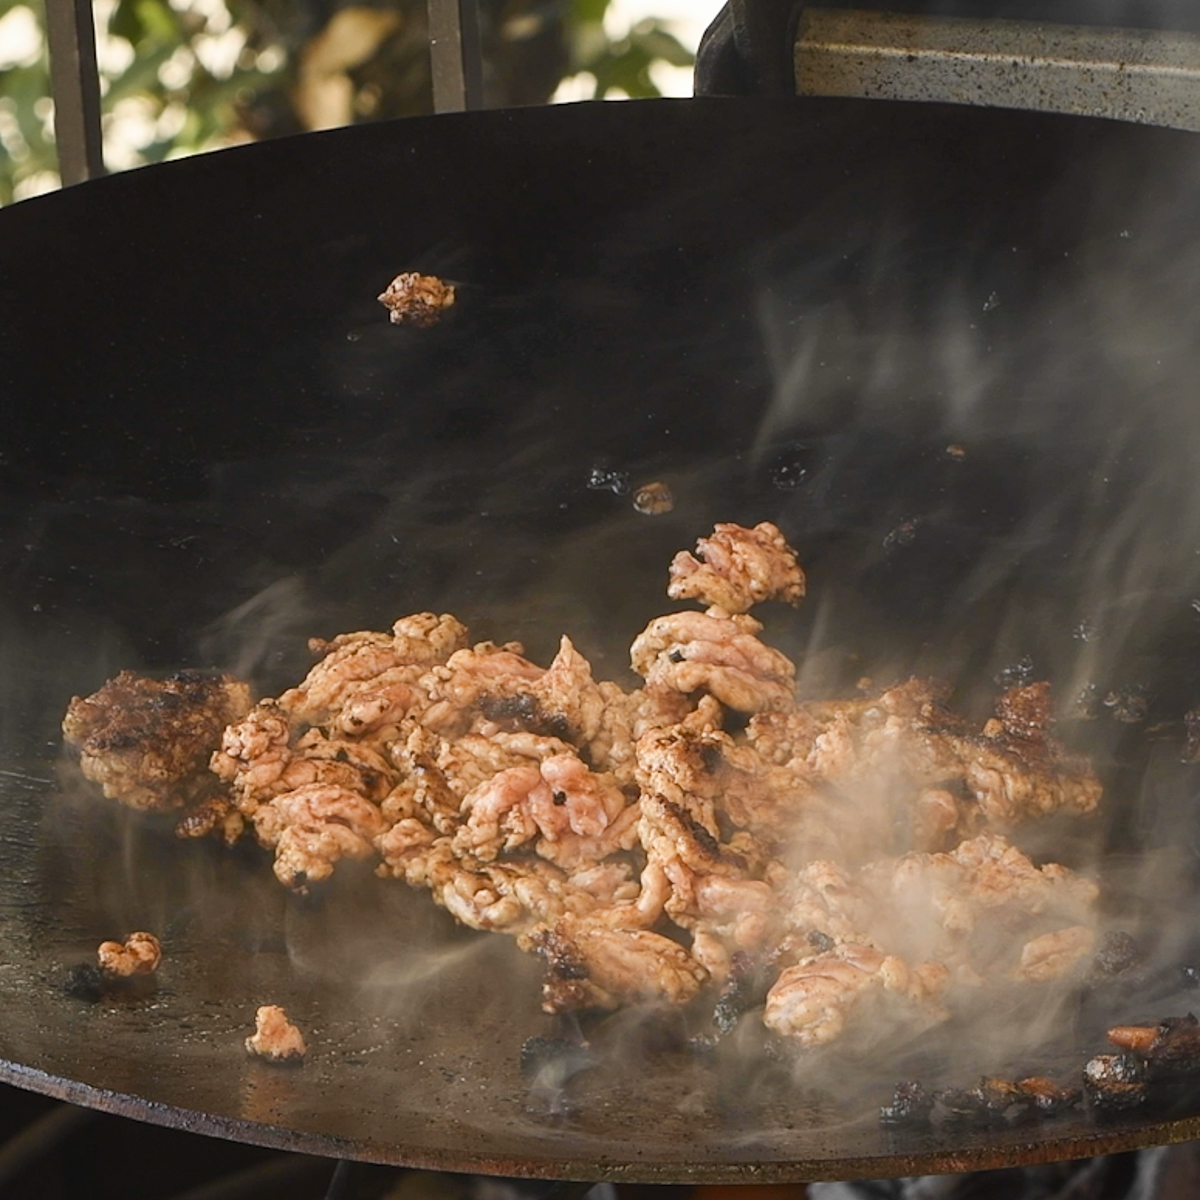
{"points": [[1133, 75], [455, 49]]}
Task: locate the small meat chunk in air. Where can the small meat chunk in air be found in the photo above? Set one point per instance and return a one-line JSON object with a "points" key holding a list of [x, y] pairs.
{"points": [[737, 568], [275, 1038], [147, 741], [413, 299], [139, 955], [714, 652]]}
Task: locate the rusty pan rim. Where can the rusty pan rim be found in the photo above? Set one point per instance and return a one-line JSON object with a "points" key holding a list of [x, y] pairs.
{"points": [[275, 1137]]}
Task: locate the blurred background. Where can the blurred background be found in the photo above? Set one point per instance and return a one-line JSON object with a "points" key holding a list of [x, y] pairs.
{"points": [[183, 76]]}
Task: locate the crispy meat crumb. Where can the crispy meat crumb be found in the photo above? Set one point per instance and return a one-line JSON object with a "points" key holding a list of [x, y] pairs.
{"points": [[139, 955], [275, 1038], [419, 300]]}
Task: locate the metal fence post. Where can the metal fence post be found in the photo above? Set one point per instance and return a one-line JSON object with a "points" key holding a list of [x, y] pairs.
{"points": [[75, 82], [456, 55]]}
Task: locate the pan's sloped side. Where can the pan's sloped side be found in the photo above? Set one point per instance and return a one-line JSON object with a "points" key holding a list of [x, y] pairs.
{"points": [[785, 311]]}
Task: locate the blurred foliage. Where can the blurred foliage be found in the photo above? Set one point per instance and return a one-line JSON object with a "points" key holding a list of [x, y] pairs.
{"points": [[180, 76]]}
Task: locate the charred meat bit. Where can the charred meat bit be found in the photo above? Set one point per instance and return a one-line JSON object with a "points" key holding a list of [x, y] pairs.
{"points": [[275, 1038], [420, 300], [1170, 1048], [85, 981], [1114, 1082], [139, 955], [1048, 1097], [745, 990], [736, 568], [147, 741]]}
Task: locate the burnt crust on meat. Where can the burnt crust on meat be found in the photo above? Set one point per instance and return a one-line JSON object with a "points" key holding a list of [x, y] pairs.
{"points": [[147, 741]]}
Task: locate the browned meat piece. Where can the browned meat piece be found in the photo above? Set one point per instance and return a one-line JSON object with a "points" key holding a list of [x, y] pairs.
{"points": [[502, 674], [564, 701], [254, 751], [504, 897], [1054, 955], [783, 738], [313, 827], [217, 815], [976, 908], [275, 1038], [936, 817], [139, 955], [424, 793], [378, 706], [627, 716], [899, 736], [815, 1000], [1046, 1095], [1017, 770], [420, 300], [568, 809], [904, 750], [591, 965], [147, 742], [737, 568], [1172, 1047], [1138, 1038], [353, 667], [690, 652], [696, 758], [257, 761], [822, 903]]}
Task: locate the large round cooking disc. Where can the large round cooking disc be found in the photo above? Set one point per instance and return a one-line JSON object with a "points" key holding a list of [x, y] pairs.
{"points": [[215, 445]]}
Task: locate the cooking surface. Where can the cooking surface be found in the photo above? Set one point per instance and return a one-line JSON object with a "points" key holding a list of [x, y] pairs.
{"points": [[950, 352]]}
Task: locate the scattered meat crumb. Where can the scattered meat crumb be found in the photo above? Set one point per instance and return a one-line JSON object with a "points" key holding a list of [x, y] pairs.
{"points": [[419, 300], [275, 1038], [653, 499], [139, 955]]}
